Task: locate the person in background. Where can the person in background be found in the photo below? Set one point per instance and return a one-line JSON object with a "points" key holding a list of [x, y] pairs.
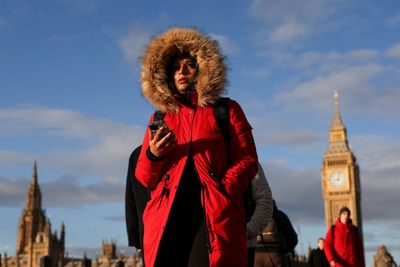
{"points": [[382, 258], [262, 197], [276, 242], [194, 180], [317, 257], [343, 245]]}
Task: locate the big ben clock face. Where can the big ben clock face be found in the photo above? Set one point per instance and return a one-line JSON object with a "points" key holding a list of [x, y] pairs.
{"points": [[337, 179]]}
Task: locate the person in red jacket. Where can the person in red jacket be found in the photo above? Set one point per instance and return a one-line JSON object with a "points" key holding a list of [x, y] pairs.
{"points": [[195, 177], [343, 243]]}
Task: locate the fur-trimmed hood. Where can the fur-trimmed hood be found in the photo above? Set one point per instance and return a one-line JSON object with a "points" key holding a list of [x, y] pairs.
{"points": [[210, 82]]}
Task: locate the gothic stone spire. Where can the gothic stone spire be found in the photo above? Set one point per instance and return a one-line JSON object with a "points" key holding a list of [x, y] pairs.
{"points": [[34, 196]]}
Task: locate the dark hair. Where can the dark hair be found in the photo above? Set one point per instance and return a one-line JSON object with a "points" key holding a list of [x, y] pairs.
{"points": [[178, 54], [344, 209]]}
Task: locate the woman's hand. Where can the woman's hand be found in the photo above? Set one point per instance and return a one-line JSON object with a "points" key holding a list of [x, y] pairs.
{"points": [[160, 143]]}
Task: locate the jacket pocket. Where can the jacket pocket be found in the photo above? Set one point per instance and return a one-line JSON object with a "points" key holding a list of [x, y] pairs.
{"points": [[220, 186]]}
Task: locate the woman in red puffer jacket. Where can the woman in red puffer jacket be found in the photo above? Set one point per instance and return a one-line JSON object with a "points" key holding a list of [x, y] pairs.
{"points": [[195, 180]]}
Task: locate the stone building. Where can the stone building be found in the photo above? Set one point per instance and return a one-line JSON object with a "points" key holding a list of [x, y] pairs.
{"points": [[37, 245], [109, 258]]}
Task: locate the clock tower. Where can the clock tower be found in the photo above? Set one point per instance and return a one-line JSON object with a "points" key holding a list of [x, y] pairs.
{"points": [[340, 174]]}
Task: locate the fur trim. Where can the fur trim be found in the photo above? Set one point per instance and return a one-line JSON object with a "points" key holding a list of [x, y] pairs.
{"points": [[211, 80]]}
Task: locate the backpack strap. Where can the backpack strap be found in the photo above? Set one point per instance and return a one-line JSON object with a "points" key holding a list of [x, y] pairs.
{"points": [[221, 114]]}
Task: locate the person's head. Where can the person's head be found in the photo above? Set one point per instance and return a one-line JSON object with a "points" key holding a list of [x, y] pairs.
{"points": [[158, 84], [182, 72], [344, 215], [320, 243], [382, 250]]}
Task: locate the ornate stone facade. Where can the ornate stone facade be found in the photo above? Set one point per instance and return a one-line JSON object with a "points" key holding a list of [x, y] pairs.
{"points": [[109, 258], [36, 244]]}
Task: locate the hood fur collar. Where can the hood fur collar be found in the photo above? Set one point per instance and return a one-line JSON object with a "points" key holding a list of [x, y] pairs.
{"points": [[211, 80]]}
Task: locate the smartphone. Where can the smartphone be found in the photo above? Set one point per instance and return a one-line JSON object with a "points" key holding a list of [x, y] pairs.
{"points": [[155, 125]]}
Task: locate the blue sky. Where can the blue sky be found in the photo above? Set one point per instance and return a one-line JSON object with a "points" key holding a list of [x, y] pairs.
{"points": [[70, 98]]}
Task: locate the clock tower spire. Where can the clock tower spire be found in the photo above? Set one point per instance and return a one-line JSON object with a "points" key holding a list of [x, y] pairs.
{"points": [[340, 175], [338, 131]]}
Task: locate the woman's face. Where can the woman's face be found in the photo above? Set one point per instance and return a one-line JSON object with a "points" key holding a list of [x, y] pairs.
{"points": [[184, 72]]}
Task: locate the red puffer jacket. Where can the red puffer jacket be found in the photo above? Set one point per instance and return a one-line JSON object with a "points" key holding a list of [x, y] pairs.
{"points": [[197, 132], [344, 246]]}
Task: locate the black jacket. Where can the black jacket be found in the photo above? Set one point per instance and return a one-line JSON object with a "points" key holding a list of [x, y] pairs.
{"points": [[136, 197], [317, 258]]}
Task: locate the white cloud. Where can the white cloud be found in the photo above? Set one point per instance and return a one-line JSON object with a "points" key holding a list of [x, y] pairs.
{"points": [[330, 61], [108, 156], [286, 32], [134, 42], [316, 94], [55, 122], [290, 20], [289, 10], [12, 192], [278, 131], [66, 191], [104, 153], [378, 152], [393, 51], [226, 44], [298, 189], [393, 21], [8, 157]]}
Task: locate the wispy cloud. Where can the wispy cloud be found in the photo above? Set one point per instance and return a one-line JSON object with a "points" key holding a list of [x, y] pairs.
{"points": [[330, 61], [286, 32], [134, 43], [62, 192], [316, 94], [393, 21], [393, 51], [12, 192], [227, 44], [105, 154], [378, 159], [277, 131], [11, 157], [307, 191], [289, 20], [55, 122]]}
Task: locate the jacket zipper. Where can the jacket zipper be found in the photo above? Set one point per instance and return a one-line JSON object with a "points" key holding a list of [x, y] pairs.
{"points": [[202, 197], [203, 204], [164, 190]]}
